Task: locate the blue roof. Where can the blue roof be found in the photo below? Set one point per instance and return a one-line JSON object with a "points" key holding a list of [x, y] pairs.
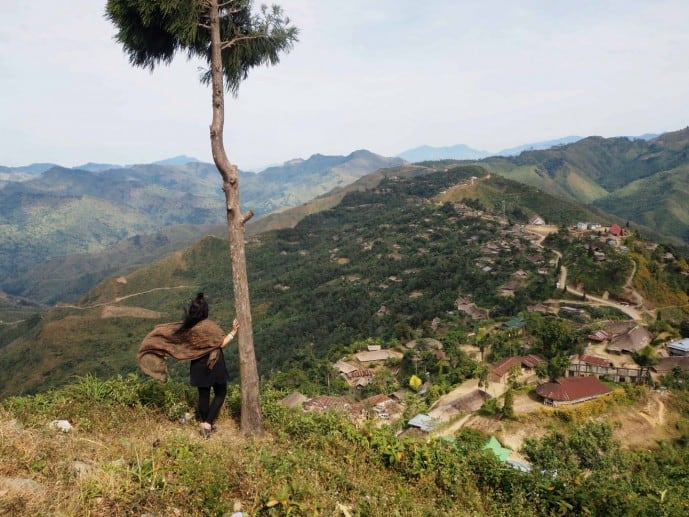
{"points": [[681, 344], [519, 465], [423, 422]]}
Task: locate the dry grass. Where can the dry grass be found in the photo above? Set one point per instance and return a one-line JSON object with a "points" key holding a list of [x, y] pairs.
{"points": [[128, 454]]}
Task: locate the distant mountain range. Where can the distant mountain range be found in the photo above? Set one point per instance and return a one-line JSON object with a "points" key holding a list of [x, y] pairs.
{"points": [[61, 223], [49, 211], [643, 181], [464, 152], [388, 252]]}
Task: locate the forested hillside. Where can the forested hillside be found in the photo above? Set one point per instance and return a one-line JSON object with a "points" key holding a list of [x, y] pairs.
{"points": [[428, 262], [82, 214], [642, 181], [385, 260]]}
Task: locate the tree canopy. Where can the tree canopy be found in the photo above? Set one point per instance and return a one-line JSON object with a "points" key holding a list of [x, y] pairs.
{"points": [[154, 31]]}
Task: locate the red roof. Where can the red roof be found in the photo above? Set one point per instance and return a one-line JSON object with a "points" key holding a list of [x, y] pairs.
{"points": [[503, 366], [599, 335], [378, 399], [572, 389], [594, 360], [360, 373], [530, 361]]}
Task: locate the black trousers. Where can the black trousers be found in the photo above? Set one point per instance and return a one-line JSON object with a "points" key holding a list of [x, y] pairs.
{"points": [[209, 410]]}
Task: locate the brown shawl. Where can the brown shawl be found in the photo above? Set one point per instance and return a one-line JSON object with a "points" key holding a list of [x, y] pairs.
{"points": [[165, 341]]}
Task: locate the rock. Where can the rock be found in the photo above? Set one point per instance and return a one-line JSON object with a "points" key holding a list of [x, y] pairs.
{"points": [[15, 426], [21, 486], [82, 469], [62, 425]]}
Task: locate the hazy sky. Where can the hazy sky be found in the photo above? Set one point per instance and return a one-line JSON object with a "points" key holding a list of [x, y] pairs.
{"points": [[383, 75]]}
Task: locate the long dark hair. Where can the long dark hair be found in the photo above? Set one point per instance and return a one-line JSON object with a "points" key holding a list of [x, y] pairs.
{"points": [[197, 311]]}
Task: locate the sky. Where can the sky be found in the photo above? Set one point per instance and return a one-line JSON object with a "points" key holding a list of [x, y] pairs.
{"points": [[382, 75]]}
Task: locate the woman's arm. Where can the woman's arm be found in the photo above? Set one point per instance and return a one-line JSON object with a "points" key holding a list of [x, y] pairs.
{"points": [[230, 336]]}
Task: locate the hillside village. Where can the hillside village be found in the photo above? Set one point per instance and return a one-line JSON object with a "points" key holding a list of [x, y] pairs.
{"points": [[609, 354]]}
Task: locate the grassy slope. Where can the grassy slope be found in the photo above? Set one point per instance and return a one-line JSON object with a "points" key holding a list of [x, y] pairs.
{"points": [[127, 453], [658, 202]]}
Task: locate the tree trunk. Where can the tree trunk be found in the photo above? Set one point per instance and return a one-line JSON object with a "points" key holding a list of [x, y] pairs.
{"points": [[251, 419]]}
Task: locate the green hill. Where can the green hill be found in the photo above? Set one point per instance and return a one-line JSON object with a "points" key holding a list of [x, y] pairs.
{"points": [[633, 179], [81, 214], [390, 257]]}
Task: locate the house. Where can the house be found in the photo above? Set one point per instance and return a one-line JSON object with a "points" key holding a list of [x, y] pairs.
{"points": [[360, 378], [471, 402], [630, 342], [574, 311], [539, 307], [590, 365], [508, 288], [666, 365], [581, 226], [592, 360], [401, 394], [616, 230], [344, 367], [470, 309], [585, 364], [599, 335], [462, 404], [370, 356], [499, 371], [382, 406], [514, 327], [537, 220], [679, 347], [423, 422], [571, 390]]}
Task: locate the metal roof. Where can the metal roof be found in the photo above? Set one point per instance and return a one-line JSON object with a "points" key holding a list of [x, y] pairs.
{"points": [[680, 344]]}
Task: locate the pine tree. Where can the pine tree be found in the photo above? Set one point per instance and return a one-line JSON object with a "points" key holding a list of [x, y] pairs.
{"points": [[231, 39]]}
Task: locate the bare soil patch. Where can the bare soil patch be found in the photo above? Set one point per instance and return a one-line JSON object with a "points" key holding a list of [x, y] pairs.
{"points": [[116, 311], [639, 425]]}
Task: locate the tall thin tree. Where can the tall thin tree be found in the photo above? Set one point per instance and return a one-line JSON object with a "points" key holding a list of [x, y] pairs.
{"points": [[231, 38]]}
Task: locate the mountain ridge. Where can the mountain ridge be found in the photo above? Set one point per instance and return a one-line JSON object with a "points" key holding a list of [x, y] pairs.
{"points": [[66, 211]]}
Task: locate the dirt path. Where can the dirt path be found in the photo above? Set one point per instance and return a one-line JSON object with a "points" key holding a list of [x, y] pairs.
{"points": [[119, 298]]}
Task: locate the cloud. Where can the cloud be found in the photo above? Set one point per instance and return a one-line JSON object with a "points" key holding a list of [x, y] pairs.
{"points": [[386, 75]]}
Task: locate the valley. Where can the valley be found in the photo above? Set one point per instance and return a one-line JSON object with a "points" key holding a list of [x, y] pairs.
{"points": [[421, 305]]}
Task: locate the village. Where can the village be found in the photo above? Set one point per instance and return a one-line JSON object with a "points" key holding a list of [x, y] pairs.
{"points": [[607, 359]]}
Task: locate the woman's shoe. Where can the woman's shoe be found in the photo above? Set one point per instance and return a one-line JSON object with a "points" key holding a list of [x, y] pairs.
{"points": [[205, 433]]}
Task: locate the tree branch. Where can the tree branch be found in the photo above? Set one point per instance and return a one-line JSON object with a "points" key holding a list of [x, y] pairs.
{"points": [[247, 216], [233, 41], [229, 2]]}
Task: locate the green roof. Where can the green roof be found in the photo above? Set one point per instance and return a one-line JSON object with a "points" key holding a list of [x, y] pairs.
{"points": [[515, 323], [494, 445]]}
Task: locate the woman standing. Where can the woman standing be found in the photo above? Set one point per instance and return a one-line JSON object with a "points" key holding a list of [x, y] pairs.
{"points": [[202, 375], [199, 340]]}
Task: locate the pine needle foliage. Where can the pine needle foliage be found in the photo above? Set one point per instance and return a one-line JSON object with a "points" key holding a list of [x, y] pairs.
{"points": [[152, 32]]}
